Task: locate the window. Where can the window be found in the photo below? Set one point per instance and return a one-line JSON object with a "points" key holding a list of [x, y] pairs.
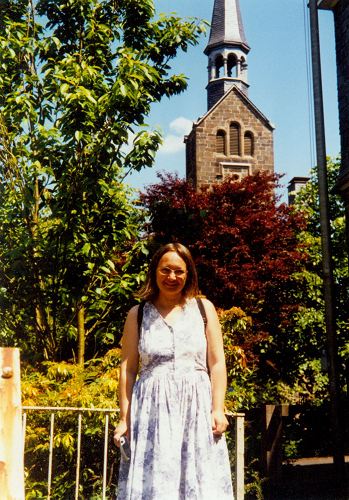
{"points": [[235, 139], [232, 66], [219, 66], [248, 144], [220, 142]]}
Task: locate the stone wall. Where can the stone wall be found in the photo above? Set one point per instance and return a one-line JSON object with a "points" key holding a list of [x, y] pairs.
{"points": [[216, 89]]}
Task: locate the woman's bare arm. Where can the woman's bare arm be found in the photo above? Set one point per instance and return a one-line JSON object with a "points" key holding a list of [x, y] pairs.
{"points": [[217, 367], [128, 372]]}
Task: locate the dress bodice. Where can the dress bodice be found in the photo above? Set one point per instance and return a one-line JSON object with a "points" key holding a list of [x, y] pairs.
{"points": [[179, 348]]}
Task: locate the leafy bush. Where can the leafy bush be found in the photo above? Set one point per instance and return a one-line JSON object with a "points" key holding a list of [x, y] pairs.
{"points": [[67, 385]]}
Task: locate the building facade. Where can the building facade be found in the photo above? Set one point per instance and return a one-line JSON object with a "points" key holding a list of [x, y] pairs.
{"points": [[340, 10], [233, 138], [295, 185]]}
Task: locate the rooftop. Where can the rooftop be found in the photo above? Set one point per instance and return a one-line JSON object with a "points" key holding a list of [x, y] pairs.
{"points": [[226, 25]]}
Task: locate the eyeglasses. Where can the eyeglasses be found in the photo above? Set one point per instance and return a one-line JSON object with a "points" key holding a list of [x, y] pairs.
{"points": [[166, 271]]}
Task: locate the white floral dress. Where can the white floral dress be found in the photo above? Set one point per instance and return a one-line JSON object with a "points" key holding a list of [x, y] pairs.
{"points": [[174, 454]]}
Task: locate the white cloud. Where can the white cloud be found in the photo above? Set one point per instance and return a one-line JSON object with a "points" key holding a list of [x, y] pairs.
{"points": [[181, 125], [174, 141], [172, 144]]}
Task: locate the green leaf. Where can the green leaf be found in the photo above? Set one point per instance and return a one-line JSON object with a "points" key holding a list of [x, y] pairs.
{"points": [[78, 135]]}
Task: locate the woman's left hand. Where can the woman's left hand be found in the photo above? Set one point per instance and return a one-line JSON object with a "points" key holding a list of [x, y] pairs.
{"points": [[120, 430], [219, 422]]}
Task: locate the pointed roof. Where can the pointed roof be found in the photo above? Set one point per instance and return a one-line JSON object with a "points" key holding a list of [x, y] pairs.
{"points": [[226, 25], [245, 99]]}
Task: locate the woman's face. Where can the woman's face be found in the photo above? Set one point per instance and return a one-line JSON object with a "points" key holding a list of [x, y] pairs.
{"points": [[171, 274]]}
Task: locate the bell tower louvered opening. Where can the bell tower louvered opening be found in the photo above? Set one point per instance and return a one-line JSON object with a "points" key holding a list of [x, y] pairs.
{"points": [[248, 144], [234, 138], [221, 142]]}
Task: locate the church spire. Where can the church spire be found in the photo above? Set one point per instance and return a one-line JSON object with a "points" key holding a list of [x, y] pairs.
{"points": [[227, 51]]}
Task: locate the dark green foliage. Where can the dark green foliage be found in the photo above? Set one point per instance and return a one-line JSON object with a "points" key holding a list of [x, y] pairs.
{"points": [[77, 81], [306, 337], [78, 78]]}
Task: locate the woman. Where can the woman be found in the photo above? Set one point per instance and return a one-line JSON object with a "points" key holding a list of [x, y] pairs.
{"points": [[173, 414]]}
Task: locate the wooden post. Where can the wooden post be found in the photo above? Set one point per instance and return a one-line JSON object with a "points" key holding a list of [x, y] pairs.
{"points": [[272, 440], [11, 436]]}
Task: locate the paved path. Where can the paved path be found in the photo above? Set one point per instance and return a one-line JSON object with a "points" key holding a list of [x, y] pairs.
{"points": [[308, 479]]}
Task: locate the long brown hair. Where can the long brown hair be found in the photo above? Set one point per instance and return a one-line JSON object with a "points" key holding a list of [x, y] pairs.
{"points": [[150, 290]]}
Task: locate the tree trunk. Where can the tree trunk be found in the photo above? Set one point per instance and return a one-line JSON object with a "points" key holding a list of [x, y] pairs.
{"points": [[81, 335]]}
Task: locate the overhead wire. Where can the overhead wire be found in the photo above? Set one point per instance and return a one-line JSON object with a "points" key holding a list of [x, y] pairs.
{"points": [[307, 46]]}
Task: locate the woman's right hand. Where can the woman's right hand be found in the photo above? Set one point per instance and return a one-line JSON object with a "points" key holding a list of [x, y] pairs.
{"points": [[119, 431]]}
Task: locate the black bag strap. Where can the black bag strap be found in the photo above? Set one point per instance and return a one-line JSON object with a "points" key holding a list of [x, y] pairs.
{"points": [[202, 311], [204, 319]]}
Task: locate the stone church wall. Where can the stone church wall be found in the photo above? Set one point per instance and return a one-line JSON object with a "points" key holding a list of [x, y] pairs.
{"points": [[212, 167]]}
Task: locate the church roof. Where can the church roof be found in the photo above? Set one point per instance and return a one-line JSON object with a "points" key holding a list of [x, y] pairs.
{"points": [[245, 99], [226, 25]]}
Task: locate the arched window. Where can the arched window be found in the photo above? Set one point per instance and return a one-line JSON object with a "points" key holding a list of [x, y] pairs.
{"points": [[235, 139], [232, 66], [220, 142], [248, 144], [219, 63]]}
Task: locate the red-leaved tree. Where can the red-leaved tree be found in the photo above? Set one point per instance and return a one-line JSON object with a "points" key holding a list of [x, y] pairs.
{"points": [[244, 243]]}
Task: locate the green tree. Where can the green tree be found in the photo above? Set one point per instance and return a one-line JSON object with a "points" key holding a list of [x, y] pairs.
{"points": [[305, 340], [78, 78]]}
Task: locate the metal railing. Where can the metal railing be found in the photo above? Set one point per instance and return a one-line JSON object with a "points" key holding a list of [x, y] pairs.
{"points": [[239, 446], [79, 411]]}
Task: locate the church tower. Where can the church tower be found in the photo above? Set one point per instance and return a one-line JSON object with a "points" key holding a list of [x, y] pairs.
{"points": [[227, 51], [233, 138]]}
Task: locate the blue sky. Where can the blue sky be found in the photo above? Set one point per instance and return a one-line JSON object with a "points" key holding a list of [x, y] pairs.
{"points": [[278, 68]]}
